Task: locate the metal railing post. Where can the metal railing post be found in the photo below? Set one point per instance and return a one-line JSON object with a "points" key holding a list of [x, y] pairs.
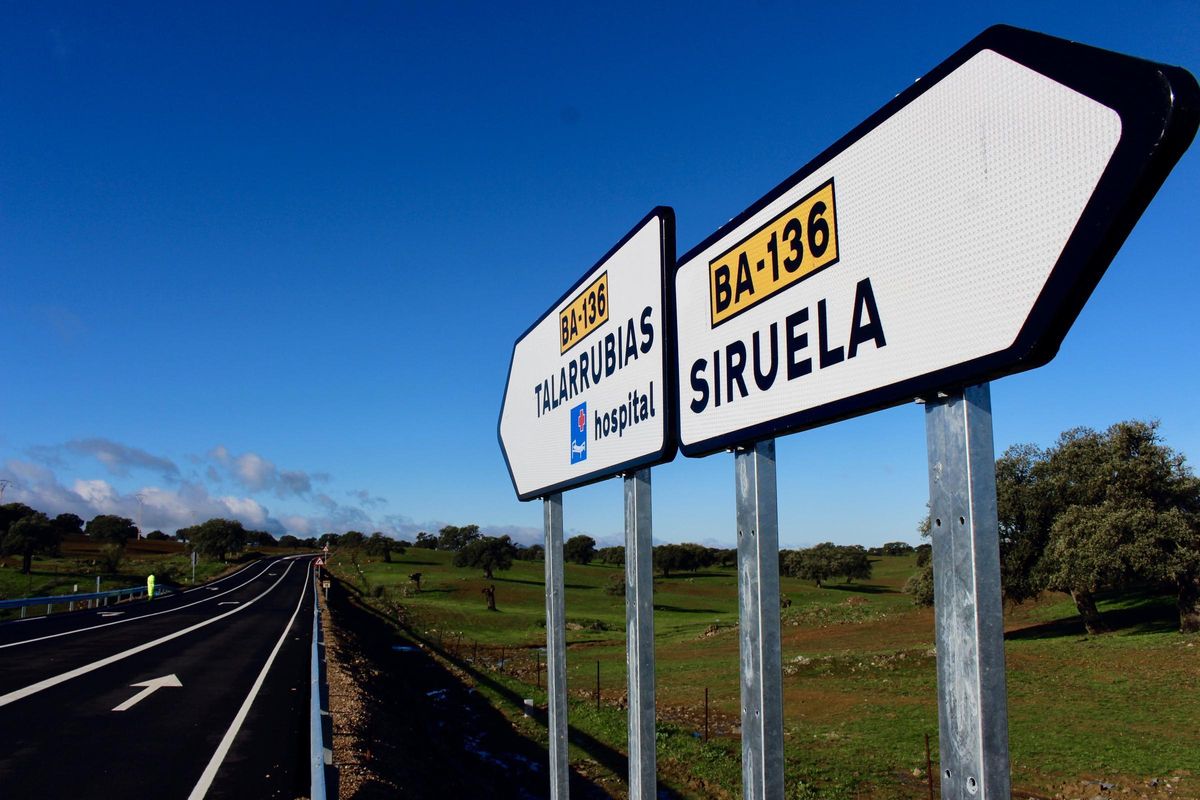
{"points": [[318, 753]]}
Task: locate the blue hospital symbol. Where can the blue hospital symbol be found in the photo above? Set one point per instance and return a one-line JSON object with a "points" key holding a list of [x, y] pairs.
{"points": [[579, 433]]}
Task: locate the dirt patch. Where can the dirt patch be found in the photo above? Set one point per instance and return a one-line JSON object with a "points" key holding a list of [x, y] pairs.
{"points": [[1181, 784], [717, 629], [691, 719], [351, 748], [406, 725]]}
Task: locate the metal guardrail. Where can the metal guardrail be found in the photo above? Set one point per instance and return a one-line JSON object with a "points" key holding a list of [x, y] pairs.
{"points": [[319, 755], [56, 600]]}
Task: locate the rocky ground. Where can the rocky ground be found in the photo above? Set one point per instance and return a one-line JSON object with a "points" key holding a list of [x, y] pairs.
{"points": [[405, 726]]}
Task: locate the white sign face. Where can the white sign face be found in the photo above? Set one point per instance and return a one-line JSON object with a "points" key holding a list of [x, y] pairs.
{"points": [[917, 254], [587, 394]]}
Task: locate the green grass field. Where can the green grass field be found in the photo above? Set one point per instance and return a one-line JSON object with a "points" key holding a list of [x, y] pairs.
{"points": [[859, 676]]}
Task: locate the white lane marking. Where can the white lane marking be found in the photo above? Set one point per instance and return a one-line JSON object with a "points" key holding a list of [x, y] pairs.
{"points": [[227, 577], [131, 619], [152, 686], [214, 764], [111, 613], [34, 688], [231, 602]]}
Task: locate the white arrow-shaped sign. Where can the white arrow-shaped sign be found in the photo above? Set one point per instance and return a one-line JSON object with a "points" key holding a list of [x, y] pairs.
{"points": [[151, 686], [587, 395], [950, 239]]}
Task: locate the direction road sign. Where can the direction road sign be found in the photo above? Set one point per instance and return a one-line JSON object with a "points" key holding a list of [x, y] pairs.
{"points": [[949, 239], [588, 394]]}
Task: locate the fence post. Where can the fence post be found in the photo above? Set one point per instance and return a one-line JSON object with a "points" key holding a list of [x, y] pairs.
{"points": [[928, 767]]}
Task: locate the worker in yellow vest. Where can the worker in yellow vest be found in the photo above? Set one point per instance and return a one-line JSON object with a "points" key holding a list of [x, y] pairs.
{"points": [[150, 587]]}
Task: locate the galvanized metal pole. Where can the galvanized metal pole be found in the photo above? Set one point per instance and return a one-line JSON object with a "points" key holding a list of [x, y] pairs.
{"points": [[556, 650], [639, 635], [758, 610], [972, 696]]}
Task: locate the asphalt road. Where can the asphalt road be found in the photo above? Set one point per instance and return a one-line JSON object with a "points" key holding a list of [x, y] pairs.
{"points": [[235, 726]]}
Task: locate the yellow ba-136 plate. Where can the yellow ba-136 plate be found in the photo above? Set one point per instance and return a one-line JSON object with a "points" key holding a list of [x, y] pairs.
{"points": [[585, 313], [791, 247]]}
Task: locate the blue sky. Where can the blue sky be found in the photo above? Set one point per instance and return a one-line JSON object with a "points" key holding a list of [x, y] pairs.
{"points": [[269, 261]]}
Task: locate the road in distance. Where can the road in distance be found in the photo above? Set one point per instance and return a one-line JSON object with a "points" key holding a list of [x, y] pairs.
{"points": [[90, 706]]}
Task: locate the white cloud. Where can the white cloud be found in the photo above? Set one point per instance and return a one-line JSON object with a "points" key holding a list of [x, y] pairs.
{"points": [[167, 509], [37, 487], [294, 482], [97, 493], [298, 525], [119, 458], [365, 498], [247, 510], [23, 472], [518, 533], [206, 493], [255, 473]]}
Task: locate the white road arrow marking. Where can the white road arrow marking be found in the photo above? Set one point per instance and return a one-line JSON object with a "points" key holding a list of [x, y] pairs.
{"points": [[111, 613], [152, 686], [228, 603]]}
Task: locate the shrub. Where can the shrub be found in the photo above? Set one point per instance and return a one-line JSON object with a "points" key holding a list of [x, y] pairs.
{"points": [[111, 556], [920, 586]]}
